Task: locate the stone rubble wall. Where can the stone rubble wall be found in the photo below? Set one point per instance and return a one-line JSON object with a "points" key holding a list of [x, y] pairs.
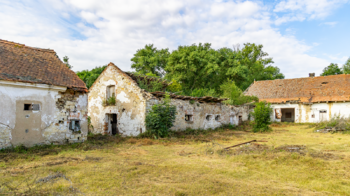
{"points": [[5, 136]]}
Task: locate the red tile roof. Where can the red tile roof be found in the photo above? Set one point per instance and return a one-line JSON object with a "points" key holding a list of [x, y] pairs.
{"points": [[28, 64], [305, 90]]}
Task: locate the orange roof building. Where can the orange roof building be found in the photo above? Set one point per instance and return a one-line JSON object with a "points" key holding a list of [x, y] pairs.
{"points": [[42, 101], [310, 99]]}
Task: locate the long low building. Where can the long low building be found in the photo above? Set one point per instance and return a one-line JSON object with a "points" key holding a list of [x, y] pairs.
{"points": [[127, 115], [311, 99]]}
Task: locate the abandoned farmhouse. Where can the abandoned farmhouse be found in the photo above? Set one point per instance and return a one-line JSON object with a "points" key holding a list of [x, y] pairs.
{"points": [[42, 100], [312, 99], [127, 115]]}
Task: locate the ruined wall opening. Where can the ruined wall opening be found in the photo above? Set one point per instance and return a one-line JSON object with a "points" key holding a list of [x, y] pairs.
{"points": [[217, 117], [74, 125], [208, 117], [110, 91], [288, 115], [29, 107], [323, 115], [111, 124], [189, 118]]}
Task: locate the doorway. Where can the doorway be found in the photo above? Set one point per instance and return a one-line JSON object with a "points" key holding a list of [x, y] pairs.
{"points": [[114, 124], [288, 115], [323, 115]]}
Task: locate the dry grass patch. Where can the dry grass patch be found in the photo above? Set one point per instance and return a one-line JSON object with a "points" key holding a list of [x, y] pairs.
{"points": [[294, 161]]}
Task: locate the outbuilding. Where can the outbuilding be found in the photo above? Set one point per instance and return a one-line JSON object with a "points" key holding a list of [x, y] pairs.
{"points": [[42, 101], [302, 100]]}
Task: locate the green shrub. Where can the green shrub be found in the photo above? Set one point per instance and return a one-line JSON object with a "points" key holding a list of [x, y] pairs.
{"points": [[110, 101], [160, 118], [261, 115], [235, 94]]}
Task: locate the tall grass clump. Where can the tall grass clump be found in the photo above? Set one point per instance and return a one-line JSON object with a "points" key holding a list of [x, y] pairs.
{"points": [[261, 114]]}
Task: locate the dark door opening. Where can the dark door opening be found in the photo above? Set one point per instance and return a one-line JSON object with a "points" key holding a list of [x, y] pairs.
{"points": [[114, 124], [288, 115]]}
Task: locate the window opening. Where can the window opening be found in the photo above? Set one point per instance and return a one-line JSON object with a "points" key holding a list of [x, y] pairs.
{"points": [[74, 125], [188, 117], [110, 91], [34, 107], [208, 117], [217, 118]]}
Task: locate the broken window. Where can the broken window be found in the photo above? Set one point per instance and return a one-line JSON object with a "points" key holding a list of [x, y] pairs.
{"points": [[188, 117], [34, 107], [208, 117], [288, 114], [74, 125], [110, 91], [217, 117]]}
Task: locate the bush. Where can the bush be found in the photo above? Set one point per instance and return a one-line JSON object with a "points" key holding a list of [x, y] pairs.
{"points": [[160, 119], [261, 115], [235, 95], [109, 101]]}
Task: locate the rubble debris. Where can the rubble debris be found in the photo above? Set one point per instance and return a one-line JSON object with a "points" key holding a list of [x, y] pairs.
{"points": [[329, 130], [52, 178], [301, 149]]}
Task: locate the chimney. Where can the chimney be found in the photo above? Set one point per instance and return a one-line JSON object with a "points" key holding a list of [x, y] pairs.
{"points": [[311, 75]]}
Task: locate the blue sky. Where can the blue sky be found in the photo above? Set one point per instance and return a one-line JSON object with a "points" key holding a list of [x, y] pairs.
{"points": [[301, 36]]}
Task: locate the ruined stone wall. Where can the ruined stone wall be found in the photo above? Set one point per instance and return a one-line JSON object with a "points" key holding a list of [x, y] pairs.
{"points": [[43, 126], [311, 112], [130, 106], [204, 115]]}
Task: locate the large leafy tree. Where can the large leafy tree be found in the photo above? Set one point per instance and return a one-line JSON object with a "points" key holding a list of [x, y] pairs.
{"points": [[89, 77], [150, 60], [331, 69]]}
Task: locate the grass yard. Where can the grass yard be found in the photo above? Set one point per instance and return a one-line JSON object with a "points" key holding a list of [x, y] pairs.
{"points": [[294, 161]]}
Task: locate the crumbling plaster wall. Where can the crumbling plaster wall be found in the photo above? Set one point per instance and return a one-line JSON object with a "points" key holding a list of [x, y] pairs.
{"points": [[228, 114], [311, 112], [130, 104], [18, 127]]}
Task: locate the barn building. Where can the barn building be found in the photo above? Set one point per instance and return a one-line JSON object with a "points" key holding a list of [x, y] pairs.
{"points": [[302, 100]]}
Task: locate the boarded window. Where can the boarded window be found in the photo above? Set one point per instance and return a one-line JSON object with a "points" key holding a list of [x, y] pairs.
{"points": [[288, 114], [188, 118], [74, 125], [110, 91], [35, 107]]}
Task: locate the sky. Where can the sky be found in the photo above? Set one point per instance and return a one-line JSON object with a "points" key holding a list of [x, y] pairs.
{"points": [[301, 36]]}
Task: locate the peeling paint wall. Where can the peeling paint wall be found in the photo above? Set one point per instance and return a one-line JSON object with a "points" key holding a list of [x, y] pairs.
{"points": [[204, 115], [311, 112], [44, 126], [130, 106]]}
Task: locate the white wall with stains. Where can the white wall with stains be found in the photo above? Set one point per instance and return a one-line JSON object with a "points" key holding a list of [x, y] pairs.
{"points": [[18, 126], [311, 112]]}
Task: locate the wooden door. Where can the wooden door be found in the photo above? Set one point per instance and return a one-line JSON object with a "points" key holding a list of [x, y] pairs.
{"points": [[323, 115]]}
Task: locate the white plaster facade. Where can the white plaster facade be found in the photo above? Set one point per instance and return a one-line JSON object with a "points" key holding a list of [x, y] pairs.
{"points": [[314, 112], [47, 125], [132, 104]]}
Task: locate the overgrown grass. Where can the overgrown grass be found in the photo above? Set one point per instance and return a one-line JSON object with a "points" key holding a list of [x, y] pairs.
{"points": [[294, 160]]}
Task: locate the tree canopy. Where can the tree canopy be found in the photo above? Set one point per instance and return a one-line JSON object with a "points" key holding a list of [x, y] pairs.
{"points": [[89, 77], [331, 69]]}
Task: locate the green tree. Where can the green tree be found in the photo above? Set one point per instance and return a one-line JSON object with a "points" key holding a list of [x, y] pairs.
{"points": [[150, 60], [160, 118], [346, 67], [331, 69], [235, 95], [262, 114], [65, 61], [89, 77]]}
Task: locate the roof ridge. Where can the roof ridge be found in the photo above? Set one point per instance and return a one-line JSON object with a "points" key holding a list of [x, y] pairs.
{"points": [[23, 45], [304, 77]]}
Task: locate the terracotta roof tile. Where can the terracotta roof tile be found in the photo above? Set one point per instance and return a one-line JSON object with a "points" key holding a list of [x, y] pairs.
{"points": [[28, 64], [310, 90]]}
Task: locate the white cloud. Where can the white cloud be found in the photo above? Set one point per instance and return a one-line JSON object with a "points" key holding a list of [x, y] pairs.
{"points": [[332, 24], [96, 32], [299, 10]]}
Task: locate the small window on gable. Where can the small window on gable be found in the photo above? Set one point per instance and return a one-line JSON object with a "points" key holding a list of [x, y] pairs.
{"points": [[35, 107], [188, 118], [217, 117], [110, 91], [208, 117], [74, 125]]}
